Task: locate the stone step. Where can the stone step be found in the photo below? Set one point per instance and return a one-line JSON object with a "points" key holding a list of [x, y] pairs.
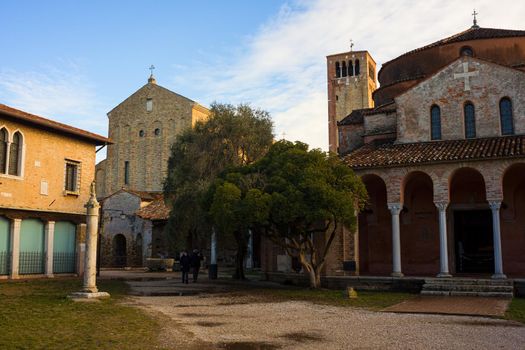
{"points": [[468, 288], [456, 281], [467, 294]]}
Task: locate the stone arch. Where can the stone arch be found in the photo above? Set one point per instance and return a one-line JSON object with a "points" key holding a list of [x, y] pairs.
{"points": [[119, 250], [513, 219], [466, 185], [419, 225], [375, 238]]}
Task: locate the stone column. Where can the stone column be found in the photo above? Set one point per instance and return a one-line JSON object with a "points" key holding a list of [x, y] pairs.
{"points": [[49, 239], [496, 233], [395, 209], [15, 247], [249, 255], [213, 269], [89, 289], [443, 246]]}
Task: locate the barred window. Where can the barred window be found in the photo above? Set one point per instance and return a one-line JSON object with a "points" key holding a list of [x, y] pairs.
{"points": [[505, 114], [470, 121], [435, 122], [72, 176]]}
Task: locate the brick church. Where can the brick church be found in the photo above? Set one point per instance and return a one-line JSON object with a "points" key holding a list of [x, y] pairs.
{"points": [[440, 147]]}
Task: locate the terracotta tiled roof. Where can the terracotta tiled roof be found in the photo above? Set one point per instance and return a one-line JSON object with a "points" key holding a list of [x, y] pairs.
{"points": [[51, 124], [156, 210], [473, 33], [356, 117], [391, 154]]}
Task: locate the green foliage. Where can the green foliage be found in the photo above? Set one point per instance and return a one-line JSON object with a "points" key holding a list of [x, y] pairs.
{"points": [[297, 197], [232, 136]]}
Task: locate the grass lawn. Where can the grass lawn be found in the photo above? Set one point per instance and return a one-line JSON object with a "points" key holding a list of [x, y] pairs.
{"points": [[516, 310], [37, 315], [367, 300]]}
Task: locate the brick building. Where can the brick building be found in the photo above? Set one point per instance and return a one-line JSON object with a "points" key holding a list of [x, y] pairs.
{"points": [[46, 169], [442, 155], [143, 128], [441, 151]]}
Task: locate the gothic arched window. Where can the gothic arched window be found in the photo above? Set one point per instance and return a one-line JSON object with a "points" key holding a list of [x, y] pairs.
{"points": [[343, 68], [357, 68], [470, 120], [505, 115], [337, 70], [435, 123], [15, 154], [350, 69], [3, 149]]}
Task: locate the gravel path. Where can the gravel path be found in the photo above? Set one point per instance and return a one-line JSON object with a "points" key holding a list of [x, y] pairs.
{"points": [[219, 322]]}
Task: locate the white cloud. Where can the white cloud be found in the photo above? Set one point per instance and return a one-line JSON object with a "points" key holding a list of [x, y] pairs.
{"points": [[63, 94], [283, 68]]}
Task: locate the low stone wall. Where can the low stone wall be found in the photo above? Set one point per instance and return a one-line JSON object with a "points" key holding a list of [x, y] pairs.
{"points": [[369, 283]]}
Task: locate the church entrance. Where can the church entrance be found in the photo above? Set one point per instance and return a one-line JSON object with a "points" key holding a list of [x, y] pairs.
{"points": [[119, 251], [473, 241]]}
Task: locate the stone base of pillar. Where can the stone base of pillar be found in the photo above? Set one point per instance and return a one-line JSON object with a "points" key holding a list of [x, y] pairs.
{"points": [[87, 295], [49, 275], [444, 275], [397, 274], [499, 276]]}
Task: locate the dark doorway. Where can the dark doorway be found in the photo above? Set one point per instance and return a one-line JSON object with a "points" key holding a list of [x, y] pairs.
{"points": [[473, 241], [119, 251]]}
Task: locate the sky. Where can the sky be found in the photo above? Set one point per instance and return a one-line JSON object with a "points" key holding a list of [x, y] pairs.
{"points": [[73, 61]]}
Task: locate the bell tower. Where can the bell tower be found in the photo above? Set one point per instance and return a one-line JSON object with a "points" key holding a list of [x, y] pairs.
{"points": [[351, 78]]}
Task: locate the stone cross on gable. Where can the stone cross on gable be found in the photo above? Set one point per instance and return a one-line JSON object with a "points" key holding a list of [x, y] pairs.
{"points": [[466, 75]]}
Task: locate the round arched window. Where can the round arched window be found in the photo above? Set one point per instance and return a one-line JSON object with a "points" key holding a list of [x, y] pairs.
{"points": [[141, 133], [157, 132], [466, 51]]}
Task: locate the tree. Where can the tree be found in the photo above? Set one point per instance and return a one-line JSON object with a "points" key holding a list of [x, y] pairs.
{"points": [[232, 136], [300, 200]]}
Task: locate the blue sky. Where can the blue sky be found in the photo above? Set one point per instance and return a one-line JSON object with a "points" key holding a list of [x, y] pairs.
{"points": [[73, 61]]}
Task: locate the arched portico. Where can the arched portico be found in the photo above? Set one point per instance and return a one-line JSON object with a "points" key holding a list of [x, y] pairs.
{"points": [[513, 220], [375, 238]]}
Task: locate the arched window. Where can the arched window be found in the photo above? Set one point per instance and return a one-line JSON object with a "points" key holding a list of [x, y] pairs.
{"points": [[343, 68], [350, 69], [435, 122], [15, 153], [337, 70], [470, 120], [505, 115], [3, 150], [357, 68], [466, 51]]}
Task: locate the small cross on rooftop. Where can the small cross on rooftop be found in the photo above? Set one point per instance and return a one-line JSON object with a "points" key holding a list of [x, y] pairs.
{"points": [[475, 21]]}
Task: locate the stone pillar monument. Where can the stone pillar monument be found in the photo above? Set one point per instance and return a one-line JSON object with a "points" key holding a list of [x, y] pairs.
{"points": [[89, 289], [212, 268]]}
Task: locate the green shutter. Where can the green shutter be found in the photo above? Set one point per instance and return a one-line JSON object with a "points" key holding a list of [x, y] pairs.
{"points": [[4, 246], [64, 242]]}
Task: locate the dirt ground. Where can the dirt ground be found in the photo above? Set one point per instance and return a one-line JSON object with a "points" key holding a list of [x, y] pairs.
{"points": [[237, 322]]}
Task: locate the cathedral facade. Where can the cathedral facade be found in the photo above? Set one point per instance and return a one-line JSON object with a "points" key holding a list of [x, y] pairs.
{"points": [[441, 151], [142, 128]]}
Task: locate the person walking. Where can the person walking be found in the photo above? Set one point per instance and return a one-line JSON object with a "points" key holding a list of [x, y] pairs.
{"points": [[184, 266], [195, 262]]}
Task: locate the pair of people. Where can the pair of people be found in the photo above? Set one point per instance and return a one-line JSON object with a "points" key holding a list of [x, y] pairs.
{"points": [[192, 261]]}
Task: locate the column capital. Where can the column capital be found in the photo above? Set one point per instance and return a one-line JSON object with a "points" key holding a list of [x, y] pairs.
{"points": [[395, 208], [495, 205], [441, 205]]}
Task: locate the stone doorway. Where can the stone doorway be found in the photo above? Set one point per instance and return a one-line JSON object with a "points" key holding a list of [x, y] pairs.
{"points": [[119, 251], [473, 241]]}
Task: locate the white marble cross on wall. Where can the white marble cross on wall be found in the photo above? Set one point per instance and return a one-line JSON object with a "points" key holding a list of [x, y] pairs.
{"points": [[466, 75]]}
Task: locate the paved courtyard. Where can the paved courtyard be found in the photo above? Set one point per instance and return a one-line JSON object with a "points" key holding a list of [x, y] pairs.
{"points": [[208, 316]]}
